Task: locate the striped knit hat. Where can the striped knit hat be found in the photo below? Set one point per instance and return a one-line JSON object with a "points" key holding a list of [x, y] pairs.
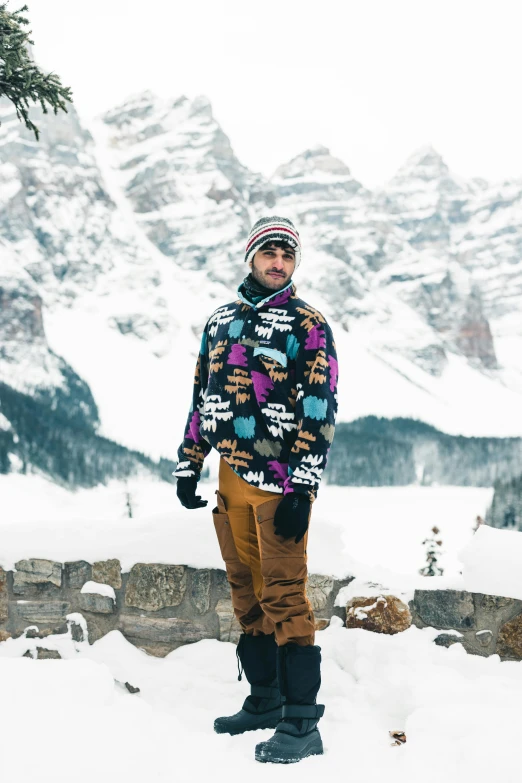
{"points": [[273, 229]]}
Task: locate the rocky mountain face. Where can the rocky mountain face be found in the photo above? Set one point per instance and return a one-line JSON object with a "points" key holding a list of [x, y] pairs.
{"points": [[140, 222]]}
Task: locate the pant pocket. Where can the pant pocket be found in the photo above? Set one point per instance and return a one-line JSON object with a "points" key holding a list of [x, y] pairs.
{"points": [[273, 546], [224, 532]]}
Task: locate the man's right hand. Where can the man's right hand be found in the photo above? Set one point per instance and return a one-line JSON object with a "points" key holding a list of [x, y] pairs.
{"points": [[186, 491]]}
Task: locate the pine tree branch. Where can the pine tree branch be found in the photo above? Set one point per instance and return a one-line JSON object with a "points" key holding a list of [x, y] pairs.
{"points": [[21, 81]]}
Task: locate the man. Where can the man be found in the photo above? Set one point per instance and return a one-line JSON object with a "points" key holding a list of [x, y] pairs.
{"points": [[265, 398]]}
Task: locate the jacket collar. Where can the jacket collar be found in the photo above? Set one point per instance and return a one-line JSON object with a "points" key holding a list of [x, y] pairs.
{"points": [[274, 300]]}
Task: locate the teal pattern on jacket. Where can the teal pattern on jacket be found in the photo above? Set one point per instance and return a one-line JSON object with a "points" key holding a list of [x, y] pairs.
{"points": [[265, 394]]}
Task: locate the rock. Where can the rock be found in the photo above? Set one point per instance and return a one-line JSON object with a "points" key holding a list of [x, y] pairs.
{"points": [[4, 605], [48, 612], [131, 688], [484, 637], [229, 628], [76, 631], [34, 572], [4, 636], [378, 613], [446, 640], [221, 584], [153, 586], [509, 643], [493, 603], [318, 590], [44, 654], [161, 635], [107, 572], [452, 609], [321, 623], [77, 573], [92, 602], [35, 632], [492, 611], [200, 590]]}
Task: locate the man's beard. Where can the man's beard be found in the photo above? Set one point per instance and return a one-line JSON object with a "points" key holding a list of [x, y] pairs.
{"points": [[264, 279]]}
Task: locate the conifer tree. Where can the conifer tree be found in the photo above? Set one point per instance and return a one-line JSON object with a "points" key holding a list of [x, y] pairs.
{"points": [[21, 80], [433, 551]]}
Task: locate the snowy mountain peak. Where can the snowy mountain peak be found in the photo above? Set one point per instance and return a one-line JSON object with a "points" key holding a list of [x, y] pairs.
{"points": [[137, 106], [315, 161], [201, 106], [425, 164]]}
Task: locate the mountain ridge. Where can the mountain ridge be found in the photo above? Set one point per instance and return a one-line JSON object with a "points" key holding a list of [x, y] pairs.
{"points": [[133, 229]]}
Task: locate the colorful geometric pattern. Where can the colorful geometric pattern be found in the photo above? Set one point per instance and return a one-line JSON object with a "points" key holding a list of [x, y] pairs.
{"points": [[265, 394]]}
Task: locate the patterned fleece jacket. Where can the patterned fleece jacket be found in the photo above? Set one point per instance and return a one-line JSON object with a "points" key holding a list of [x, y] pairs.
{"points": [[264, 394]]}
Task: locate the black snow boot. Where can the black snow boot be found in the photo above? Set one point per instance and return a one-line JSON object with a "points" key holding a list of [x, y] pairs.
{"points": [[296, 735], [257, 656]]}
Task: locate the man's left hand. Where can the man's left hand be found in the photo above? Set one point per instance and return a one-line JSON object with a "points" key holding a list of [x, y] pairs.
{"points": [[292, 515]]}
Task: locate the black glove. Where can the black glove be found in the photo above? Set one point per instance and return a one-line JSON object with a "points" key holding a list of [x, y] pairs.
{"points": [[186, 490], [291, 516]]}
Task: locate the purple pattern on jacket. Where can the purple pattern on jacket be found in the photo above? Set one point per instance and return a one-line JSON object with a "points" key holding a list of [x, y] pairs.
{"points": [[262, 385], [193, 430], [334, 372], [280, 471], [281, 298], [237, 355], [316, 339]]}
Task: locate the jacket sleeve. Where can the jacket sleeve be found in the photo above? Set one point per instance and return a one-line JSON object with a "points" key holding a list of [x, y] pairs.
{"points": [[194, 447], [316, 409]]}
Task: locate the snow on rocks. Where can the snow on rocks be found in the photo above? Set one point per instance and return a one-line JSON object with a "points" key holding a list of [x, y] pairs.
{"points": [[380, 614], [491, 561], [444, 701]]}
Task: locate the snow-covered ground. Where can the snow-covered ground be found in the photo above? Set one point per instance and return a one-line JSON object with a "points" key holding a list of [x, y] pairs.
{"points": [[461, 713], [375, 534]]}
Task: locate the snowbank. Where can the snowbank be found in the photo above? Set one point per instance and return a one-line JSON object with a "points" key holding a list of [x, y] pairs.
{"points": [[460, 713], [492, 562]]}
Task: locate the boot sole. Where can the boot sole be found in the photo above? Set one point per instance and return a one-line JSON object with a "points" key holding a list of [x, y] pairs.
{"points": [[266, 755], [266, 722]]}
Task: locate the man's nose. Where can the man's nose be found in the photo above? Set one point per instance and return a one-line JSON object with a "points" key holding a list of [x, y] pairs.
{"points": [[278, 262]]}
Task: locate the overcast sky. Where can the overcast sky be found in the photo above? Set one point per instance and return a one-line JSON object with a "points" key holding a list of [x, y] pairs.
{"points": [[371, 79]]}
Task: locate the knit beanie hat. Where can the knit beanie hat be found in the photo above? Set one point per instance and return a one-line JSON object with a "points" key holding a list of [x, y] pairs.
{"points": [[273, 229]]}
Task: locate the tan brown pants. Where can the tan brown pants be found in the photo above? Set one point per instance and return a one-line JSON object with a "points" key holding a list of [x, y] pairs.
{"points": [[267, 575]]}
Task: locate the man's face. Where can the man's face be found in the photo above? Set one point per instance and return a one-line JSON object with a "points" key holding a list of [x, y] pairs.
{"points": [[273, 267]]}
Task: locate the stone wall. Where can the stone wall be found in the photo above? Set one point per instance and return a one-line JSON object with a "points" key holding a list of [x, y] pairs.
{"points": [[157, 607], [484, 624]]}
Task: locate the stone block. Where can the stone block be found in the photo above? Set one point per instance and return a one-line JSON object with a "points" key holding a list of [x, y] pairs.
{"points": [[4, 605], [221, 584], [155, 586], [446, 639], [107, 572], [43, 654], [77, 573], [92, 602], [378, 613], [77, 632], [319, 589], [4, 636], [229, 628], [36, 573], [200, 590], [36, 632], [46, 612], [445, 609], [160, 635], [509, 642]]}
